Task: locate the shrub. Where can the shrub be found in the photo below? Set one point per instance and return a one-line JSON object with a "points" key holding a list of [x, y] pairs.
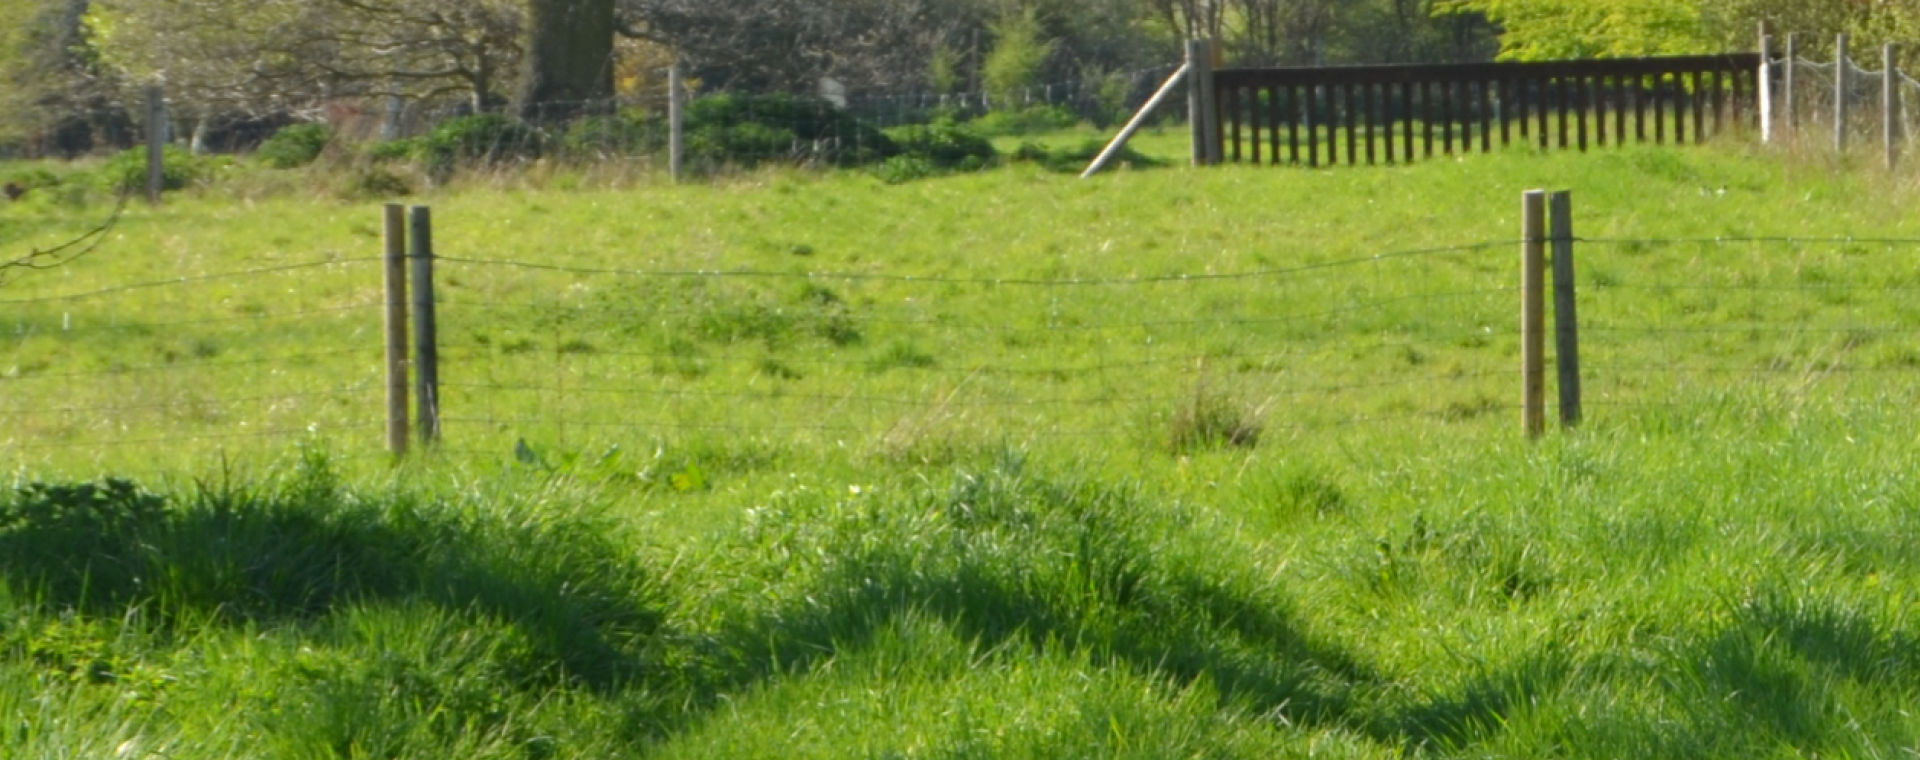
{"points": [[750, 129], [31, 178], [374, 182], [1076, 159], [1024, 121], [944, 145], [483, 138], [903, 169], [628, 132], [126, 171], [392, 150], [295, 146]]}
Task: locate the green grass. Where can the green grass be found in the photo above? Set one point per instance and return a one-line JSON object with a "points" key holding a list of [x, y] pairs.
{"points": [[967, 514]]}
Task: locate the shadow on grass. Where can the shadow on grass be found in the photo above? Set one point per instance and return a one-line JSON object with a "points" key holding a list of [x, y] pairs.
{"points": [[1000, 557], [299, 553]]}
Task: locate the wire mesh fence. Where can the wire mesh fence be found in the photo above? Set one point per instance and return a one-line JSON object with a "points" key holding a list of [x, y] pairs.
{"points": [[569, 353], [726, 129], [1877, 104]]}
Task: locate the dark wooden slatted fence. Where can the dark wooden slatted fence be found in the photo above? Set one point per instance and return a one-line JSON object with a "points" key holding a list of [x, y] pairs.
{"points": [[1289, 115]]}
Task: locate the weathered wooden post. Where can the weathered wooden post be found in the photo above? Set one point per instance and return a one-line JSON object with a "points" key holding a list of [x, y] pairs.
{"points": [[1533, 311], [1787, 98], [1533, 344], [676, 123], [396, 328], [426, 339], [1566, 325], [156, 142], [1840, 64], [1202, 113], [1889, 105]]}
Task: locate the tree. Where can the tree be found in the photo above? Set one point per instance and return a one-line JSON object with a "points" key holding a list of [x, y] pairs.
{"points": [[1019, 52], [268, 56], [1574, 29], [792, 44], [569, 63], [54, 96]]}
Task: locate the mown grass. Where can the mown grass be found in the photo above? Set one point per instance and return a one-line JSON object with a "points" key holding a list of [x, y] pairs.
{"points": [[1031, 502]]}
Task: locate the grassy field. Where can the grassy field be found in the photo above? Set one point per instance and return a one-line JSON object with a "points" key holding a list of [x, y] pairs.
{"points": [[1163, 464]]}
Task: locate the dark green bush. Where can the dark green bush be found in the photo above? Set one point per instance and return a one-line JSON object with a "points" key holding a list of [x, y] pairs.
{"points": [[945, 145], [631, 131], [751, 129], [903, 169], [374, 182], [1024, 121], [393, 150], [483, 138], [126, 171], [1075, 159], [295, 146], [32, 178]]}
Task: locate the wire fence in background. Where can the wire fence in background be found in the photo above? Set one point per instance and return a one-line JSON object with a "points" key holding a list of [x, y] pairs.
{"points": [[1868, 104], [572, 354], [918, 132], [171, 371]]}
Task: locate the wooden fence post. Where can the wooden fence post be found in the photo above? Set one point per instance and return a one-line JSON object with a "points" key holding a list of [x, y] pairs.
{"points": [[1533, 228], [156, 142], [426, 340], [1787, 98], [1566, 326], [1202, 115], [396, 332], [1766, 85], [1840, 65], [1889, 105], [676, 123]]}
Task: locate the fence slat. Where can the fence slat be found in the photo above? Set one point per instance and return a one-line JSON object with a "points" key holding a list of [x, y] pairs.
{"points": [[1373, 122], [1295, 101], [1506, 111], [1274, 113], [1697, 78], [1486, 116], [1580, 110], [1619, 111], [1406, 118]]}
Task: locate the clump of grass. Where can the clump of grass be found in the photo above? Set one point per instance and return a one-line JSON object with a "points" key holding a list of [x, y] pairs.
{"points": [[1211, 419]]}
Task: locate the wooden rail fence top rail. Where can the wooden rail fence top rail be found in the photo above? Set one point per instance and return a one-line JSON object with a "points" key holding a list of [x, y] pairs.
{"points": [[1397, 73]]}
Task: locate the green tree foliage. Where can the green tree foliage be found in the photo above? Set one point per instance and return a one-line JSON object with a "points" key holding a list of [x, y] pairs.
{"points": [[1549, 29], [1019, 53], [1534, 30], [1870, 24], [54, 95], [280, 55]]}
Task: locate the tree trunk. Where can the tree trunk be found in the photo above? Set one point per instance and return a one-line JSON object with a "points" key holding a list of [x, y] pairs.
{"points": [[569, 62]]}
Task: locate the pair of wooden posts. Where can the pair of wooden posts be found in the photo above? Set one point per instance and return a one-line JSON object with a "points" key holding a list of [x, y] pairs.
{"points": [[415, 252], [1547, 219]]}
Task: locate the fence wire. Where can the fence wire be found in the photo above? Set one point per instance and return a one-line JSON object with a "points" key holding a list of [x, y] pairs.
{"points": [[1419, 344], [1815, 94]]}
